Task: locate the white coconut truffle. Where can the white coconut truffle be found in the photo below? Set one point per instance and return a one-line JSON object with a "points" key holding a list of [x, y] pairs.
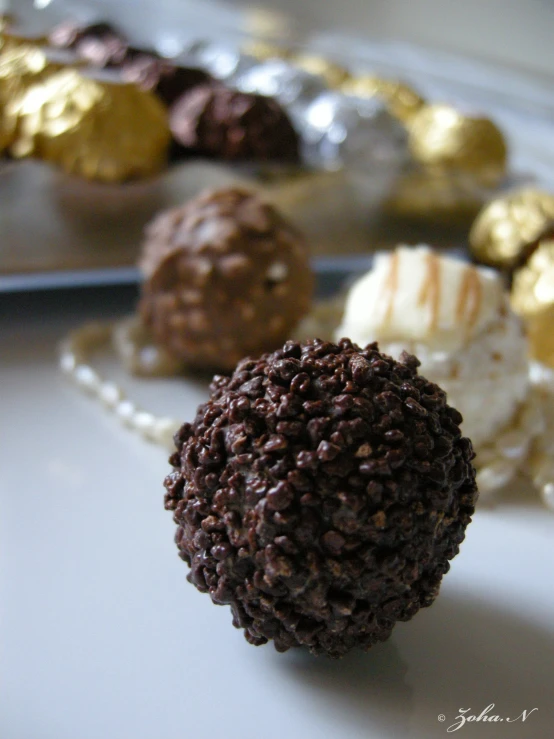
{"points": [[456, 319]]}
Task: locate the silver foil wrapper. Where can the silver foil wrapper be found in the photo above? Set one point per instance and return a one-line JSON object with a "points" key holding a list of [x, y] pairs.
{"points": [[341, 131]]}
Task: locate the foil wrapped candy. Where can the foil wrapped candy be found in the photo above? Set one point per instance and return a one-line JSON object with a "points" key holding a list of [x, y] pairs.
{"points": [[508, 227], [98, 129], [20, 67], [516, 233], [457, 162], [533, 299], [337, 129]]}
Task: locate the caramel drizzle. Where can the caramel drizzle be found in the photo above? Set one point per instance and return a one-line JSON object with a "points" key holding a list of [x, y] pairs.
{"points": [[390, 287], [469, 299], [431, 289]]}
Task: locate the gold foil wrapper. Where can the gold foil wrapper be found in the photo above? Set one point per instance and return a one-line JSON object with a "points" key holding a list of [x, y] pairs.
{"points": [[98, 129], [533, 285], [401, 99], [20, 67], [533, 298], [441, 136], [507, 228], [334, 75]]}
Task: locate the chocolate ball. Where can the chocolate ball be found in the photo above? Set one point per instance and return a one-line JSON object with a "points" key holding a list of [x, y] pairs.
{"points": [[165, 79], [321, 492], [225, 276], [226, 124], [99, 43], [66, 34]]}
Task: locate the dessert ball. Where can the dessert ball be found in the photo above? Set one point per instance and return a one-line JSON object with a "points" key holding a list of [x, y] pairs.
{"points": [[456, 318], [225, 276], [94, 128], [99, 43], [226, 124], [168, 81], [321, 492]]}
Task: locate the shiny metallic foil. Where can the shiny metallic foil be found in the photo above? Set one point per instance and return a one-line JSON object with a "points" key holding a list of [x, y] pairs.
{"points": [[20, 67], [507, 228], [533, 298], [334, 75], [97, 129], [402, 100], [441, 136]]}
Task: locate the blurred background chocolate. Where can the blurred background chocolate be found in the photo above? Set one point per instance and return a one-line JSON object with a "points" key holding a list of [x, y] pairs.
{"points": [[225, 276], [508, 228], [234, 126], [162, 77], [97, 129], [442, 136], [358, 131], [100, 44], [21, 66]]}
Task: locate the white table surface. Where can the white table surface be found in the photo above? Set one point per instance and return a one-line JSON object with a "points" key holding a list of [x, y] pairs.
{"points": [[101, 637]]}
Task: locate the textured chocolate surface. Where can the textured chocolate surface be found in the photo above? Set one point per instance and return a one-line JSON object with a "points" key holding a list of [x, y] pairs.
{"points": [[321, 492], [215, 121], [226, 276], [163, 78]]}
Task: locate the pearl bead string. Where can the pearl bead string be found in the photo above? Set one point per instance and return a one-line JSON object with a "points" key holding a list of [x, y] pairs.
{"points": [[73, 358], [525, 446]]}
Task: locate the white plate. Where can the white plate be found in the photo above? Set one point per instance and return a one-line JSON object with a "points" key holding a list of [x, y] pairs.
{"points": [[103, 638]]}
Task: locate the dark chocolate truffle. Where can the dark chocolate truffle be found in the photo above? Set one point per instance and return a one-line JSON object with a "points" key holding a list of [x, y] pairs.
{"points": [[99, 43], [321, 492], [160, 76], [226, 124], [65, 35], [225, 276]]}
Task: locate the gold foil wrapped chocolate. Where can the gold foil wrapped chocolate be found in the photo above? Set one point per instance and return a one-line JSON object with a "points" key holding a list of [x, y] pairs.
{"points": [[508, 227], [20, 67], [441, 136], [334, 75], [401, 99], [533, 298], [98, 129]]}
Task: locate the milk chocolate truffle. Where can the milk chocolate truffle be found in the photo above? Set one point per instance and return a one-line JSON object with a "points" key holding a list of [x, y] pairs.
{"points": [[225, 276], [321, 492], [227, 124], [160, 76]]}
